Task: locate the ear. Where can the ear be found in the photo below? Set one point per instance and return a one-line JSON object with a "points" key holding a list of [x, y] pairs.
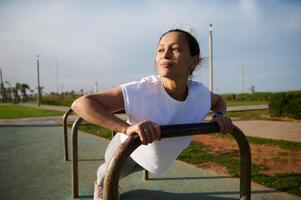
{"points": [[195, 62]]}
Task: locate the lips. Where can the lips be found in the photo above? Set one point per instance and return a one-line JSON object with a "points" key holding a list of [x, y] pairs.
{"points": [[166, 64]]}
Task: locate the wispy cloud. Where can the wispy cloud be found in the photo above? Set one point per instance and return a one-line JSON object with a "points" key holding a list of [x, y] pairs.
{"points": [[112, 42]]}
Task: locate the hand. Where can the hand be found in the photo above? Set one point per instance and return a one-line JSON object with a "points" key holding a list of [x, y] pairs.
{"points": [[224, 123], [148, 131]]}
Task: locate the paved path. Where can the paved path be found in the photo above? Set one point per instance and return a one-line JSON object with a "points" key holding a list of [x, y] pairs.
{"points": [[229, 108], [46, 107], [32, 168], [245, 108], [279, 130], [55, 120]]}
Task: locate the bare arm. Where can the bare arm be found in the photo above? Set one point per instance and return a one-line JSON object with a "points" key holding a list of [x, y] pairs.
{"points": [[218, 105], [98, 108]]}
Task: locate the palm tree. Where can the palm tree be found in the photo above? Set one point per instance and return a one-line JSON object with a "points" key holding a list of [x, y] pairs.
{"points": [[2, 92], [23, 89], [16, 96], [8, 92], [16, 90]]}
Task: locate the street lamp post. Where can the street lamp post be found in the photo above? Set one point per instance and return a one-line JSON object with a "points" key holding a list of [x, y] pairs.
{"points": [[242, 78], [2, 93], [210, 52], [39, 88]]}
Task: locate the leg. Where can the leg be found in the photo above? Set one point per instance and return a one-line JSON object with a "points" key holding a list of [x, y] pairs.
{"points": [[129, 167], [113, 145]]}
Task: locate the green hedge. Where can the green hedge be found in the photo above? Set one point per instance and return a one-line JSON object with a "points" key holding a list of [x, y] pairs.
{"points": [[258, 96], [286, 104], [59, 100]]}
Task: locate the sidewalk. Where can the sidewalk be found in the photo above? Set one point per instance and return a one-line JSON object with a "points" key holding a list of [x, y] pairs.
{"points": [[278, 130], [32, 167], [230, 108], [46, 107]]}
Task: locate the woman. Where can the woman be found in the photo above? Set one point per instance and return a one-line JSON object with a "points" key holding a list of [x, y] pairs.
{"points": [[168, 98]]}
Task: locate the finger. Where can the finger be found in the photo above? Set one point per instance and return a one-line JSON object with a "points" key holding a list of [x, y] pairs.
{"points": [[227, 125], [158, 131], [230, 125], [221, 125], [142, 137], [146, 132], [151, 132], [141, 134], [225, 122]]}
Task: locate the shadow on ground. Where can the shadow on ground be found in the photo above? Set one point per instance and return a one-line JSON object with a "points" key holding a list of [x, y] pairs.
{"points": [[143, 194]]}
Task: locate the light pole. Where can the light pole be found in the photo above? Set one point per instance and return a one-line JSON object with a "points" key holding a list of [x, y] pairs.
{"points": [[96, 86], [39, 89], [242, 78], [210, 51], [2, 93], [1, 78], [57, 76]]}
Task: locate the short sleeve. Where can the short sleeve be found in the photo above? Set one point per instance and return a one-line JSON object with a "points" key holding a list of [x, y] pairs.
{"points": [[127, 96]]}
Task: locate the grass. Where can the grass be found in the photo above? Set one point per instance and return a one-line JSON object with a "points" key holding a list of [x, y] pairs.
{"points": [[284, 144], [256, 115], [286, 182], [250, 115], [198, 154], [96, 130], [288, 145], [245, 103], [12, 111]]}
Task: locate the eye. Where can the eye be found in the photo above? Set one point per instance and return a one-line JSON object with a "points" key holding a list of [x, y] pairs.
{"points": [[176, 49], [160, 50]]}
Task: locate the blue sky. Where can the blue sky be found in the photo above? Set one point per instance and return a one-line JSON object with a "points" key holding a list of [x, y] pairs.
{"points": [[113, 42]]}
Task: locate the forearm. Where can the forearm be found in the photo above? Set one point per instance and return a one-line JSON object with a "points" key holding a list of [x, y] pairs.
{"points": [[218, 104], [95, 113]]}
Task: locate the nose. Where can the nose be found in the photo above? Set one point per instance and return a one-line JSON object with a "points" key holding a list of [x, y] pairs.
{"points": [[167, 54]]}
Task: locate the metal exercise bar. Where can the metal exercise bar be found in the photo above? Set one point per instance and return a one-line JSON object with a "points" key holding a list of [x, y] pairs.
{"points": [[65, 135], [74, 152], [112, 176], [75, 156]]}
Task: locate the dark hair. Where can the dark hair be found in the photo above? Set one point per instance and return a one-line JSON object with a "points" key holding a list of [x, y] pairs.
{"points": [[193, 44]]}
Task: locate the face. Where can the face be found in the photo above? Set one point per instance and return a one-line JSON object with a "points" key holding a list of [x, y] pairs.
{"points": [[173, 57]]}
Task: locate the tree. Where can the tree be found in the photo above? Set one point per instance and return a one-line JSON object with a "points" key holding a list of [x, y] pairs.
{"points": [[19, 87], [23, 89], [252, 89], [8, 92]]}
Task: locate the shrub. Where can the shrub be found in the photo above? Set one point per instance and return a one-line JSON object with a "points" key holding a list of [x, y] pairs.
{"points": [[258, 96], [294, 108], [59, 99], [286, 104]]}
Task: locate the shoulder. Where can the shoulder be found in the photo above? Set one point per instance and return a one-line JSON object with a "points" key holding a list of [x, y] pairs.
{"points": [[144, 83], [198, 86]]}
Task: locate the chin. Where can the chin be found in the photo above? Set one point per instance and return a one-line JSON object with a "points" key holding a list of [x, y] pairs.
{"points": [[168, 76], [164, 74]]}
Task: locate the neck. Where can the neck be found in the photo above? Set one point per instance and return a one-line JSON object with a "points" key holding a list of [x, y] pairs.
{"points": [[177, 89]]}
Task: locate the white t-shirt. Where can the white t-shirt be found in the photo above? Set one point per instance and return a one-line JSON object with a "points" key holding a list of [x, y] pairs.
{"points": [[148, 100]]}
